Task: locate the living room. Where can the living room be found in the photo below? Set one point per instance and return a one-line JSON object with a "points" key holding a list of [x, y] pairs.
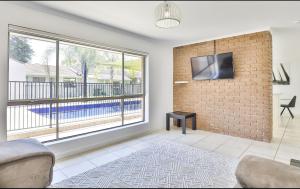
{"points": [[149, 94]]}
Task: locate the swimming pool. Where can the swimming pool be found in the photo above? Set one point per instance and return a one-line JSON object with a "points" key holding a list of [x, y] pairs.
{"points": [[98, 110]]}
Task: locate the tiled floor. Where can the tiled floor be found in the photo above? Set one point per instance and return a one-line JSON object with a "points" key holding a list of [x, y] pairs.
{"points": [[285, 145]]}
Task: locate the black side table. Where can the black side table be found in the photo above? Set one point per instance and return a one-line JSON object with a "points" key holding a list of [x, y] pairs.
{"points": [[181, 118]]}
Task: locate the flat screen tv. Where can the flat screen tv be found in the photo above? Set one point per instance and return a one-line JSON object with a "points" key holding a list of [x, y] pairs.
{"points": [[219, 66]]}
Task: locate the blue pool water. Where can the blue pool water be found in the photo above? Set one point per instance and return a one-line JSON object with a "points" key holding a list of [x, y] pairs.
{"points": [[88, 110]]}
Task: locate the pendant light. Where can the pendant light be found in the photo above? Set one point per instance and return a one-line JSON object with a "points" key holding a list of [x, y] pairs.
{"points": [[167, 15]]}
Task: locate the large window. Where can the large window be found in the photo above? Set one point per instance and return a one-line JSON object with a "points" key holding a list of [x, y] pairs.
{"points": [[59, 88]]}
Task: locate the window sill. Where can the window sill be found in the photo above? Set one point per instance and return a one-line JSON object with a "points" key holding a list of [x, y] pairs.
{"points": [[101, 132]]}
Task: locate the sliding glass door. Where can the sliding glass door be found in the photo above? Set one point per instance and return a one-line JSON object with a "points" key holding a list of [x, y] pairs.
{"points": [[59, 89]]}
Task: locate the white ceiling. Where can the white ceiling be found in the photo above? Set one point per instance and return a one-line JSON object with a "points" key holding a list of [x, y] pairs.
{"points": [[200, 19]]}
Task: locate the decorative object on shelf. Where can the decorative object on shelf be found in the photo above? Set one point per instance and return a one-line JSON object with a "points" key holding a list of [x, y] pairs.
{"points": [[281, 81], [167, 15], [181, 82]]}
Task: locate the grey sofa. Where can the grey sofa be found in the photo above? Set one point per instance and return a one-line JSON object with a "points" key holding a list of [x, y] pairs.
{"points": [[25, 163], [256, 172]]}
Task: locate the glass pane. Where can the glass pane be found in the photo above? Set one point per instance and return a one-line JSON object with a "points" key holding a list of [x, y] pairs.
{"points": [[77, 118], [87, 72], [133, 85], [133, 74], [32, 73], [31, 121], [32, 67], [133, 110]]}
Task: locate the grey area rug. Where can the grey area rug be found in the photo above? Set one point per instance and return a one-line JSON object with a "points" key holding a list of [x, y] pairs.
{"points": [[164, 165]]}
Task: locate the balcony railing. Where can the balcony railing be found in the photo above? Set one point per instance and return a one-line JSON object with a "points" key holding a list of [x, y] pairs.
{"points": [[24, 90], [31, 115]]}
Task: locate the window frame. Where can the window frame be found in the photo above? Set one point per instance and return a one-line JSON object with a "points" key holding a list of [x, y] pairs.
{"points": [[57, 100]]}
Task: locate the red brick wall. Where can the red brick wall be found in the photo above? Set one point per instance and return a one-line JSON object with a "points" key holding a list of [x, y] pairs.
{"points": [[239, 107]]}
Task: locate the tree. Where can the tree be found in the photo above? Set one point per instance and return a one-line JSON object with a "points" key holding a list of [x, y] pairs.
{"points": [[112, 61], [133, 67], [86, 60], [20, 49], [78, 57], [82, 59], [45, 59]]}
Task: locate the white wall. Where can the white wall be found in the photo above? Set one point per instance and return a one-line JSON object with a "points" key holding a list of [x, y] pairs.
{"points": [[286, 50], [160, 64]]}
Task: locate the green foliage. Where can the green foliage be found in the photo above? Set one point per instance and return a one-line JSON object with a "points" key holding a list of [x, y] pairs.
{"points": [[97, 61], [76, 56], [19, 49], [49, 51]]}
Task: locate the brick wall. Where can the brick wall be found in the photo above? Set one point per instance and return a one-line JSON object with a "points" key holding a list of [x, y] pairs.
{"points": [[239, 107]]}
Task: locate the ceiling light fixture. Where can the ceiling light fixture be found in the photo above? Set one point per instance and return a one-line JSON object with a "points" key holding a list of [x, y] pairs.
{"points": [[167, 15]]}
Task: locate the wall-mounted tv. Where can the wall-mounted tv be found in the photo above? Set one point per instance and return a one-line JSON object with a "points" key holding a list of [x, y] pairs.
{"points": [[219, 66]]}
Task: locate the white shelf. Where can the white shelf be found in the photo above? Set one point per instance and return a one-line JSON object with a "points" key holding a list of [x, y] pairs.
{"points": [[181, 82]]}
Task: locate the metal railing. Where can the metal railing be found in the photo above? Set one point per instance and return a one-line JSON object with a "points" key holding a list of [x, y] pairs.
{"points": [[44, 115], [22, 113], [25, 90]]}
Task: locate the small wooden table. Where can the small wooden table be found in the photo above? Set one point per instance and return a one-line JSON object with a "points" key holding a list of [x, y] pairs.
{"points": [[181, 119]]}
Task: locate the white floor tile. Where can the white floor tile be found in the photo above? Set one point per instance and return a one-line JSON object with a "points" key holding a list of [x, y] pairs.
{"points": [[104, 159], [234, 148], [212, 142], [124, 152], [285, 145], [217, 138], [172, 136], [206, 145], [149, 138], [265, 150], [55, 168], [66, 162], [291, 141], [77, 168], [140, 146], [95, 153], [256, 154], [288, 152], [285, 160], [115, 147], [190, 138], [58, 176], [132, 142]]}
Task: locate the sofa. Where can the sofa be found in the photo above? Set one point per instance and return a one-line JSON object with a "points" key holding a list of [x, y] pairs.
{"points": [[25, 163], [256, 172]]}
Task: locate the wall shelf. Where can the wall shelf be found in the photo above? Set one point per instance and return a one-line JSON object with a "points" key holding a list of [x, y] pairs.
{"points": [[181, 82]]}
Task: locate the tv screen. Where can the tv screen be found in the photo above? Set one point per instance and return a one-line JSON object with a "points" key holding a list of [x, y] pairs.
{"points": [[217, 66]]}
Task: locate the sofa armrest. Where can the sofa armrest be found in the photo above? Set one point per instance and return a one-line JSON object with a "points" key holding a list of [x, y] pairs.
{"points": [[25, 163], [21, 149], [256, 172]]}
